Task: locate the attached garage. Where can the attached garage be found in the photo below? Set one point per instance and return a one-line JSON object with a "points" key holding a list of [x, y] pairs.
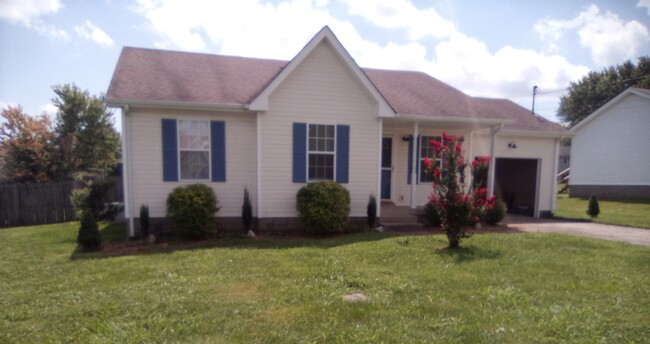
{"points": [[517, 184]]}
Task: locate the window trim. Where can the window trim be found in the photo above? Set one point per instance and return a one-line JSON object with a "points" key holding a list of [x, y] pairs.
{"points": [[179, 149], [332, 153], [436, 160]]}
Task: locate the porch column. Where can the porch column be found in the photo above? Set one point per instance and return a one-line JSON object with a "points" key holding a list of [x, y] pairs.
{"points": [[414, 159], [493, 134], [380, 135]]}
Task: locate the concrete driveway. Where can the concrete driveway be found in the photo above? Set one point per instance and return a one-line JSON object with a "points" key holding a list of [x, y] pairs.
{"points": [[636, 236]]}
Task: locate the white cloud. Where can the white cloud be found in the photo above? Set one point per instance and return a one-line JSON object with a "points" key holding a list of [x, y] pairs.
{"points": [[644, 3], [261, 29], [50, 110], [28, 13], [91, 32], [609, 39], [402, 14]]}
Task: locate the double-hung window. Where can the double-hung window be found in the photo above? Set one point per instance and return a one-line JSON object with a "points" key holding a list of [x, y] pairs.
{"points": [[321, 151], [427, 150], [194, 149]]}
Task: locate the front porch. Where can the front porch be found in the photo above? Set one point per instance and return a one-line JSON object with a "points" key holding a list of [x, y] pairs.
{"points": [[401, 218]]}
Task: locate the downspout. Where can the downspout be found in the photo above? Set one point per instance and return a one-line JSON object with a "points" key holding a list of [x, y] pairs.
{"points": [[379, 153], [556, 153], [126, 171], [258, 162], [493, 134], [414, 159]]}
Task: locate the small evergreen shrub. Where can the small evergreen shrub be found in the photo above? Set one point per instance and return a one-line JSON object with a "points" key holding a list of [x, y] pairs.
{"points": [[247, 211], [88, 237], [144, 220], [324, 207], [495, 214], [191, 209], [93, 196], [593, 209], [372, 211], [432, 214]]}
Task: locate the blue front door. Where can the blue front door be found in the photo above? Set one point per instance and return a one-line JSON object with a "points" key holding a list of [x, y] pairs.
{"points": [[386, 166]]}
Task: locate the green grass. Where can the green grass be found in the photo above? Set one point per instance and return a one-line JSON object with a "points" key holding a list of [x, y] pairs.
{"points": [[624, 213], [517, 288]]}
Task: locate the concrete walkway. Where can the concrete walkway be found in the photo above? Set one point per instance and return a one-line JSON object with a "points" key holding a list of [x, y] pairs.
{"points": [[636, 236]]}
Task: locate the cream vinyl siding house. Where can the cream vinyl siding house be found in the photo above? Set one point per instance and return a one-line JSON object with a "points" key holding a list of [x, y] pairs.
{"points": [[272, 126], [610, 149]]}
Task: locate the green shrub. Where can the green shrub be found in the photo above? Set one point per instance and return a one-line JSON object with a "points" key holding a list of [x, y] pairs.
{"points": [[191, 209], [432, 214], [324, 207], [144, 220], [93, 196], [372, 211], [593, 209], [88, 237], [247, 211], [495, 214]]}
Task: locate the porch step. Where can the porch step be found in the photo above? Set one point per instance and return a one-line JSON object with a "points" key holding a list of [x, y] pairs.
{"points": [[401, 223], [399, 227]]}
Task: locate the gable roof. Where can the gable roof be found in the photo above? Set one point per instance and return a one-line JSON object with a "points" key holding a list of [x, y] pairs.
{"points": [[261, 103], [149, 77], [641, 92]]}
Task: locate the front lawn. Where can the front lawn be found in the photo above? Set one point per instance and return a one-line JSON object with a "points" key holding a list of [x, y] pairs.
{"points": [[517, 288], [630, 213]]}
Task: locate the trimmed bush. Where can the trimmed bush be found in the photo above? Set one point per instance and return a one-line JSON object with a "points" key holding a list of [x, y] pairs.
{"points": [[247, 211], [496, 213], [93, 196], [372, 211], [144, 220], [433, 214], [89, 237], [324, 207], [593, 209], [191, 209]]}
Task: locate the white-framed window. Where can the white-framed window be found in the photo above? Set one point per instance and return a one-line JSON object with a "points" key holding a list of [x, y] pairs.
{"points": [[427, 150], [321, 151], [194, 149]]}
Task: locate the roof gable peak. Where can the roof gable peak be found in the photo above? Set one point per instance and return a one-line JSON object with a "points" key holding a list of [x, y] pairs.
{"points": [[261, 101]]}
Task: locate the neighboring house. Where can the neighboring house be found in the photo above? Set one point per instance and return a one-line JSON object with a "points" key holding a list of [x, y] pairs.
{"points": [[610, 149], [564, 158], [273, 126]]}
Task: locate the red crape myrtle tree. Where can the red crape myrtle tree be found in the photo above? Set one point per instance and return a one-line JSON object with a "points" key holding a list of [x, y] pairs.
{"points": [[458, 209]]}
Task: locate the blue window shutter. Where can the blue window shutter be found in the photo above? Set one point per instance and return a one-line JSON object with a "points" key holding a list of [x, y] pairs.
{"points": [[299, 152], [170, 150], [218, 150], [342, 153], [417, 160], [410, 162]]}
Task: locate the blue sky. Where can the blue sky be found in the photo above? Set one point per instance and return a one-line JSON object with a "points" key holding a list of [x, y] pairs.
{"points": [[484, 48]]}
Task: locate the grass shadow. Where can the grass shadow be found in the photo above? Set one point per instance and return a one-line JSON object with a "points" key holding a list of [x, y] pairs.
{"points": [[467, 254]]}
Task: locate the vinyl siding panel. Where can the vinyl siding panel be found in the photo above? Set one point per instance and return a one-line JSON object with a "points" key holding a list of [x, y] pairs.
{"points": [[321, 90], [613, 148], [146, 144]]}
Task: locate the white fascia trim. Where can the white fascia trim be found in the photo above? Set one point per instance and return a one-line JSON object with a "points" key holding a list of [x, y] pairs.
{"points": [[603, 109], [176, 105], [487, 122], [261, 102], [530, 133]]}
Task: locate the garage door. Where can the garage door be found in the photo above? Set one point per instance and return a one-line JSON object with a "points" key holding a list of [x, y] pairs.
{"points": [[515, 182]]}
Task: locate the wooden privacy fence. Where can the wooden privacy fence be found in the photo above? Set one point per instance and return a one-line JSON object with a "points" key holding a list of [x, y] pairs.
{"points": [[35, 204]]}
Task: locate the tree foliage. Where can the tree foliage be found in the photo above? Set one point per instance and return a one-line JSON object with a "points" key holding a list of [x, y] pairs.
{"points": [[25, 146], [85, 138], [82, 139], [597, 88]]}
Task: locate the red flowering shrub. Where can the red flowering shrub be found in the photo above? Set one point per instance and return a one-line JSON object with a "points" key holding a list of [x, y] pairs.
{"points": [[448, 201]]}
